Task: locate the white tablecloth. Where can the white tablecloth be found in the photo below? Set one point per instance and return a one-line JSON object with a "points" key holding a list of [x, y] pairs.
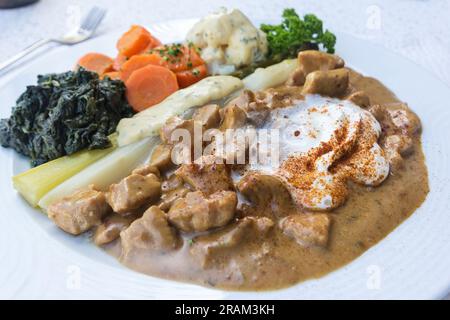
{"points": [[416, 29]]}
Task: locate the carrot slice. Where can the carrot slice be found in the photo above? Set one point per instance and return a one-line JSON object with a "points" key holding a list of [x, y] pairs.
{"points": [[139, 61], [96, 62], [134, 41], [119, 61], [194, 57], [153, 44], [150, 85], [179, 57], [113, 75], [187, 77]]}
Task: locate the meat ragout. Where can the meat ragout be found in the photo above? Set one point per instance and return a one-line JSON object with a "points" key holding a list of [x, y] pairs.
{"points": [[232, 227]]}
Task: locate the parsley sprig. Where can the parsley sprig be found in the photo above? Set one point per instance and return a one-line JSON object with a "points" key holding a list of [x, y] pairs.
{"points": [[294, 33]]}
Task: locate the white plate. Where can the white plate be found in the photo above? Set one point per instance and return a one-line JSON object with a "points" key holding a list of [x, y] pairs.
{"points": [[37, 260]]}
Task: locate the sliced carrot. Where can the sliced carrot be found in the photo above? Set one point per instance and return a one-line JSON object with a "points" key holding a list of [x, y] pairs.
{"points": [[139, 61], [179, 57], [194, 57], [96, 62], [153, 44], [150, 85], [119, 61], [187, 77], [113, 75], [134, 41]]}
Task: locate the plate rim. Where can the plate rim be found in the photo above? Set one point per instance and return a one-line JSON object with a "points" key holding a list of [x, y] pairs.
{"points": [[438, 293]]}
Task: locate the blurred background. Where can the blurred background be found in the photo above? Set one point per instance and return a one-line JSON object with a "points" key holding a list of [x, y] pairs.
{"points": [[416, 29]]}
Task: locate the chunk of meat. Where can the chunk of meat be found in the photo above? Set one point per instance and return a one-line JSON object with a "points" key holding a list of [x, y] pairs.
{"points": [[174, 123], [232, 147], [397, 147], [111, 227], [396, 118], [133, 192], [399, 125], [313, 60], [233, 117], [173, 182], [151, 232], [206, 175], [168, 198], [147, 169], [360, 98], [243, 99], [405, 120], [162, 157], [381, 113], [80, 211], [266, 191], [256, 111], [332, 83], [208, 116], [209, 248], [307, 229], [297, 78], [196, 213], [378, 111], [399, 143], [280, 97], [172, 189]]}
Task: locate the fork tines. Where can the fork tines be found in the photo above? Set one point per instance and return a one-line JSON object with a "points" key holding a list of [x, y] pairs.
{"points": [[93, 19]]}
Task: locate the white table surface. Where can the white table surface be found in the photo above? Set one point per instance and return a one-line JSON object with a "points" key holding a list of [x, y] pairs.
{"points": [[416, 29]]}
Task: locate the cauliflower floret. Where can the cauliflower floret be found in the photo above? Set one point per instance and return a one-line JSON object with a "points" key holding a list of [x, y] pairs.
{"points": [[228, 41]]}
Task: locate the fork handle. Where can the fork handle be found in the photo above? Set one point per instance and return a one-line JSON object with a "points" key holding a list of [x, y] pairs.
{"points": [[23, 53]]}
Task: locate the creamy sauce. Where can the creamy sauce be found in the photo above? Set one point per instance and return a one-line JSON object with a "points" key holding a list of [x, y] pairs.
{"points": [[276, 261]]}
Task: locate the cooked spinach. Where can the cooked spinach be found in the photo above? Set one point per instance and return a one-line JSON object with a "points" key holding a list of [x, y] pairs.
{"points": [[64, 113]]}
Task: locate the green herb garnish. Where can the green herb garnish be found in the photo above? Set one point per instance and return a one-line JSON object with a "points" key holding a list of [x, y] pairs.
{"points": [[288, 38]]}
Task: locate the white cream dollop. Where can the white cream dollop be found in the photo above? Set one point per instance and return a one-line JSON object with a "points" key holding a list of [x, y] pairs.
{"points": [[324, 143]]}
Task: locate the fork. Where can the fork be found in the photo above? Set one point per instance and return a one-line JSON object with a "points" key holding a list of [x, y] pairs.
{"points": [[84, 32]]}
